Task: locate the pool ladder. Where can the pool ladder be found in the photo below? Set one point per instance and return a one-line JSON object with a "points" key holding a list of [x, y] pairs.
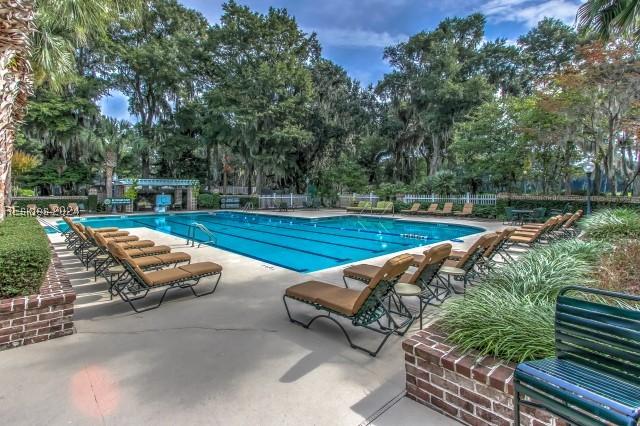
{"points": [[191, 236]]}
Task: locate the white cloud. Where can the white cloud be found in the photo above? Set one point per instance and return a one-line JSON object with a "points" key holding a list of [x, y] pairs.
{"points": [[344, 37], [530, 12]]}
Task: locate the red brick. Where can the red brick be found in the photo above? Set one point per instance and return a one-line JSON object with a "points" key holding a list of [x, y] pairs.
{"points": [[459, 402], [472, 420], [407, 358], [464, 364], [444, 384], [24, 320], [50, 315], [410, 379], [428, 353], [11, 330], [4, 339], [36, 339], [492, 417], [408, 345], [480, 373], [460, 380], [494, 394], [448, 361], [499, 377], [447, 408], [429, 388], [430, 367], [503, 410], [475, 398], [36, 325]]}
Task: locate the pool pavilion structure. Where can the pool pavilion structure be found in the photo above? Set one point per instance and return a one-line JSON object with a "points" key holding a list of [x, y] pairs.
{"points": [[180, 189]]}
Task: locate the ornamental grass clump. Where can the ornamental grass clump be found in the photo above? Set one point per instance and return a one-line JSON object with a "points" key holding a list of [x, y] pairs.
{"points": [[510, 314], [612, 225]]}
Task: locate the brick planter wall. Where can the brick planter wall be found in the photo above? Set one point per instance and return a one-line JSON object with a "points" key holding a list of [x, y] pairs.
{"points": [[39, 317], [473, 389]]}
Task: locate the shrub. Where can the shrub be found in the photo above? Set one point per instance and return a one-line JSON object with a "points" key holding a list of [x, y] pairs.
{"points": [[26, 192], [24, 256], [612, 225], [510, 314], [209, 201], [619, 270]]}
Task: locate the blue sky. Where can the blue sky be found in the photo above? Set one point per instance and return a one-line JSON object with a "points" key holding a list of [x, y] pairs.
{"points": [[353, 33]]}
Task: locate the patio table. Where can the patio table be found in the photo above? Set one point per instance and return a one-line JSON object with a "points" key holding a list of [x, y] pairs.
{"points": [[521, 214]]}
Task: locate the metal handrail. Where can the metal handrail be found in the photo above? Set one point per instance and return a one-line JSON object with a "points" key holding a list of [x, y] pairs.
{"points": [[191, 235], [49, 224]]}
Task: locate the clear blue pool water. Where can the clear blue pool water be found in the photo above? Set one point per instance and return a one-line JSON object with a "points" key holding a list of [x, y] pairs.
{"points": [[300, 244]]}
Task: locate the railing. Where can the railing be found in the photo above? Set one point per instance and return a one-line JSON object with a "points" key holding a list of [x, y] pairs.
{"points": [[191, 234], [347, 200], [292, 201], [478, 199]]}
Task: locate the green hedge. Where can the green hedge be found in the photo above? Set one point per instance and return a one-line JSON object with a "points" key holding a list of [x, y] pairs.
{"points": [[209, 201], [24, 256]]}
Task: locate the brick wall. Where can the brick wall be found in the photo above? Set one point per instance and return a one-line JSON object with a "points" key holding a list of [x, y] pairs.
{"points": [[42, 316], [473, 389]]}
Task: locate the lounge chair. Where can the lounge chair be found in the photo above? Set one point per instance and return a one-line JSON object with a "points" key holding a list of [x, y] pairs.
{"points": [[424, 282], [431, 210], [33, 210], [463, 268], [363, 206], [569, 228], [54, 210], [530, 239], [415, 207], [73, 209], [365, 308], [139, 283], [486, 262], [467, 210], [383, 207], [446, 209], [114, 271]]}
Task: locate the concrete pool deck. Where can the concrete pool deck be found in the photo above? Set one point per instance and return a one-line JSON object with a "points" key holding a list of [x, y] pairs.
{"points": [[228, 358]]}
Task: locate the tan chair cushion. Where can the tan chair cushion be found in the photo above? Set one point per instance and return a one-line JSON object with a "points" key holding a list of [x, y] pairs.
{"points": [[123, 239], [407, 277], [452, 270], [137, 244], [146, 261], [165, 276], [311, 291], [176, 257], [457, 254], [362, 271], [344, 300], [147, 251], [202, 268], [521, 239], [451, 263], [106, 230], [417, 259], [113, 234]]}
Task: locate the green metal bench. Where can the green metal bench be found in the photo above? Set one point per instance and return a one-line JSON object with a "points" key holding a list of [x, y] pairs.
{"points": [[595, 377]]}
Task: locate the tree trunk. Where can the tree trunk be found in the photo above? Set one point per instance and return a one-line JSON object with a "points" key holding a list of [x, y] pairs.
{"points": [[108, 184], [16, 26]]}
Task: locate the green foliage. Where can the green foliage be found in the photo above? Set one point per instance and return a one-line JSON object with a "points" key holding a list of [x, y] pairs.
{"points": [[209, 201], [511, 313], [612, 225], [388, 191], [131, 193], [445, 182], [24, 256], [25, 192]]}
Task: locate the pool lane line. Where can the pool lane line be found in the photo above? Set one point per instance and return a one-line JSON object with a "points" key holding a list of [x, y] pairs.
{"points": [[339, 259], [335, 235], [223, 247], [291, 236]]}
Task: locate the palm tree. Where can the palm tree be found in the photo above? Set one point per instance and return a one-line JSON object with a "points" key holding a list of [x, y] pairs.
{"points": [[16, 27], [608, 18], [113, 136], [62, 27]]}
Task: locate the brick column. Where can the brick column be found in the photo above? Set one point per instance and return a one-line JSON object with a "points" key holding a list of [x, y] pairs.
{"points": [[177, 196], [191, 200]]}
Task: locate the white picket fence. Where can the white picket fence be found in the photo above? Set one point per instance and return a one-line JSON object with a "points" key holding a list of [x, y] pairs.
{"points": [[347, 200], [276, 200], [478, 199]]}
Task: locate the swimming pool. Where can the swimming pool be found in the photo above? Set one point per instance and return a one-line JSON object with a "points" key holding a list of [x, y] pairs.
{"points": [[300, 244]]}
